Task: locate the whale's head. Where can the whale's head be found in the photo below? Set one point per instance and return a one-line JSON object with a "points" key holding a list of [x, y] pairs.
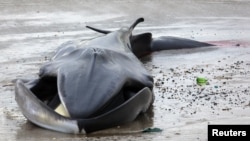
{"points": [[87, 88]]}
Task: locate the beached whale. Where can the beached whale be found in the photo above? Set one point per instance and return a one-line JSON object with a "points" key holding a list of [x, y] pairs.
{"points": [[96, 85]]}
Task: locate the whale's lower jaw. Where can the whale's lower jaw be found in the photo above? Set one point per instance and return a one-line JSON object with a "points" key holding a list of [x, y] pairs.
{"points": [[40, 114]]}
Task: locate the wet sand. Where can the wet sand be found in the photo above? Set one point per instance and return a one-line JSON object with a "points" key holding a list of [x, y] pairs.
{"points": [[30, 31]]}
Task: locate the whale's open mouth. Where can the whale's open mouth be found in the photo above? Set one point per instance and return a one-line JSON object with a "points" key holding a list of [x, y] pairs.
{"points": [[48, 112], [46, 90], [88, 82]]}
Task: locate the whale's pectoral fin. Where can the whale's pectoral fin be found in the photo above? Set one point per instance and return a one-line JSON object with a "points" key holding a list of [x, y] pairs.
{"points": [[141, 44], [168, 43]]}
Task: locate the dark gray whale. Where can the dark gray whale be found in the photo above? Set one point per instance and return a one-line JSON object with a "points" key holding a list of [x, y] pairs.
{"points": [[100, 85], [94, 86]]}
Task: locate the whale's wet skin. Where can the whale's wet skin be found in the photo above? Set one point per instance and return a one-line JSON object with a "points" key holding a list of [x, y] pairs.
{"points": [[96, 85]]}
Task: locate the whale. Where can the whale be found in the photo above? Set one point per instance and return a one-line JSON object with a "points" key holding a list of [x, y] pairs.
{"points": [[95, 85]]}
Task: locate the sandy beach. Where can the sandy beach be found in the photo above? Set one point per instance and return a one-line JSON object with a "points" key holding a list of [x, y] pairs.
{"points": [[30, 31]]}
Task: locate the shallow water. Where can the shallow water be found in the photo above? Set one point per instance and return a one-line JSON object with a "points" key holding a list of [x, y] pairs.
{"points": [[30, 31]]}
